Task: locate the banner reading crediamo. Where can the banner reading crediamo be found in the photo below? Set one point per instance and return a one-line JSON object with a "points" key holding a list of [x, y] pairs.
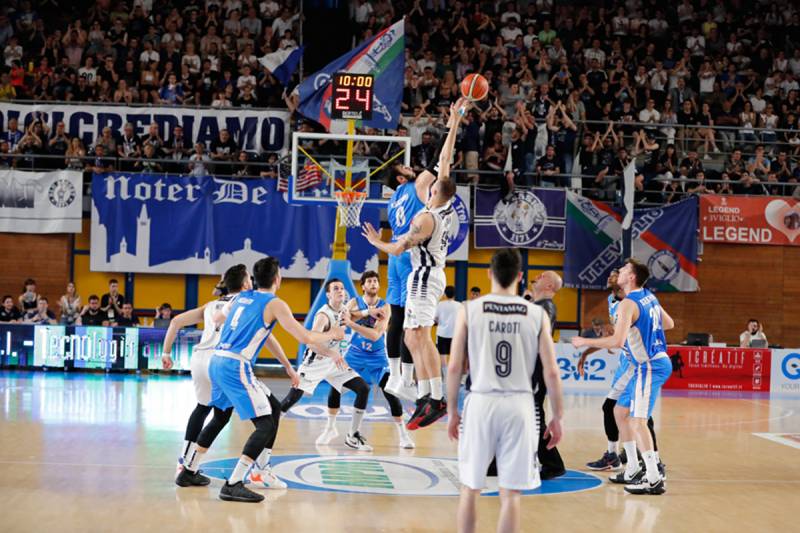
{"points": [[750, 220], [254, 131]]}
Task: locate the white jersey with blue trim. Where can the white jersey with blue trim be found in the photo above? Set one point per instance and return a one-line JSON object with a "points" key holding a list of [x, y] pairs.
{"points": [[244, 331], [211, 330], [432, 252], [646, 339], [334, 317]]}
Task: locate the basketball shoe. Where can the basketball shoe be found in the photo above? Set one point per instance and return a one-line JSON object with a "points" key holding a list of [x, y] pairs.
{"points": [[642, 486], [187, 478], [357, 442], [421, 403], [239, 493], [435, 410], [609, 461], [329, 433], [264, 477], [621, 479]]}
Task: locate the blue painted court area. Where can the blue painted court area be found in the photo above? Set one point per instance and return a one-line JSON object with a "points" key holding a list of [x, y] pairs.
{"points": [[389, 475]]}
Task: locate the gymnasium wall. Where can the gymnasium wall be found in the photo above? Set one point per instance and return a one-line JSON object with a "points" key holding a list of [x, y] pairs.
{"points": [[736, 282]]}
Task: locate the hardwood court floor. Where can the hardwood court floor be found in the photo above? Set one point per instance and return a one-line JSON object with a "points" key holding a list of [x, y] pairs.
{"points": [[89, 452]]}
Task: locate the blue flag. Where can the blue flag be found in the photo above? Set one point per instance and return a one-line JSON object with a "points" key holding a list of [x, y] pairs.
{"points": [[383, 57], [283, 63]]}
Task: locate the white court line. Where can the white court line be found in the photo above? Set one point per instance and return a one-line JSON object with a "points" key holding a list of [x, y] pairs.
{"points": [[780, 439]]}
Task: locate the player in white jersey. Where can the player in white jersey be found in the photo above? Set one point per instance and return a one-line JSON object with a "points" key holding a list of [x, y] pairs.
{"points": [[431, 231], [325, 362], [502, 334], [235, 279]]}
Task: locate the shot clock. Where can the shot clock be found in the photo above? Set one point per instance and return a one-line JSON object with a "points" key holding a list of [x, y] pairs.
{"points": [[351, 96]]}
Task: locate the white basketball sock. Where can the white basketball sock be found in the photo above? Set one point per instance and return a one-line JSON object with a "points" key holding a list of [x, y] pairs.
{"points": [[263, 458], [394, 366], [331, 421], [193, 458], [651, 466], [240, 471], [658, 457], [613, 447], [436, 388], [423, 387], [408, 374], [185, 450], [355, 422], [632, 466]]}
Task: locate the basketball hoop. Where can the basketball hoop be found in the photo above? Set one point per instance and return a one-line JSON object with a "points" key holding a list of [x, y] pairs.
{"points": [[349, 204]]}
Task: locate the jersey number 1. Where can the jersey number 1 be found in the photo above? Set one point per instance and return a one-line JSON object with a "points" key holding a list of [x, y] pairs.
{"points": [[502, 355]]}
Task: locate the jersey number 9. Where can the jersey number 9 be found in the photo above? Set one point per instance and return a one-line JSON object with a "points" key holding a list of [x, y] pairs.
{"points": [[502, 355]]}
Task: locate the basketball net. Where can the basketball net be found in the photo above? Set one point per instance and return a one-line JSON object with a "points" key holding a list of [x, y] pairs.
{"points": [[349, 204]]}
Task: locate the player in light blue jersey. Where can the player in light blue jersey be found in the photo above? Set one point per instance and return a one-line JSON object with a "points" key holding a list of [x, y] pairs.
{"points": [[639, 329], [368, 318], [251, 316], [611, 459]]}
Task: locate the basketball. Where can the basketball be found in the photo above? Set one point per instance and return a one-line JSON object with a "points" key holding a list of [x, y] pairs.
{"points": [[475, 87]]}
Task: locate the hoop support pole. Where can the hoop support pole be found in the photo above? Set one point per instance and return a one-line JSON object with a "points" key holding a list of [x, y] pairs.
{"points": [[340, 235]]}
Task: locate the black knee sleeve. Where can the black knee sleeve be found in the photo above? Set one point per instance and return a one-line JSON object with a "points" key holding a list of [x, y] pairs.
{"points": [[334, 399], [275, 404], [264, 432], [214, 426], [395, 406], [292, 398], [651, 426], [394, 333], [609, 422], [195, 424], [360, 387], [405, 353]]}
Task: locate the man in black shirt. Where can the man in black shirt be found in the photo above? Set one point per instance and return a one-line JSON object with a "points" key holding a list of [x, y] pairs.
{"points": [[40, 314], [549, 167], [223, 149], [545, 287], [9, 312], [111, 302], [422, 154], [126, 319], [92, 315]]}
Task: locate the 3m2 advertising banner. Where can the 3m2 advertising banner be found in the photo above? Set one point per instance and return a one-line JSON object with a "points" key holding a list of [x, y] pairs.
{"points": [[785, 377], [598, 372], [41, 202], [528, 218], [253, 130], [750, 220], [204, 225], [704, 368]]}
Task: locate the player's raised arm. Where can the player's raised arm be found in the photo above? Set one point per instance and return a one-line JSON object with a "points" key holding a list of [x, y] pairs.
{"points": [[421, 229], [457, 111], [278, 310], [552, 378], [455, 368], [187, 318], [626, 315]]}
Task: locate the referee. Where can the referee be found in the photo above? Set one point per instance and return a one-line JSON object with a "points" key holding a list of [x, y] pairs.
{"points": [[545, 287]]}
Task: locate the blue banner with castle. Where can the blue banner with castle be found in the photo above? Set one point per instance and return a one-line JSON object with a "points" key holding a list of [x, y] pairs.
{"points": [[203, 225]]}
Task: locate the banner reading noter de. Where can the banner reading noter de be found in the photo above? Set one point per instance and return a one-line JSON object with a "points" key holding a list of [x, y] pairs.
{"points": [[750, 220]]}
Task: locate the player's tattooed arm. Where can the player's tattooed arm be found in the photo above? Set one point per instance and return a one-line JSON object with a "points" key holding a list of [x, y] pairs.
{"points": [[421, 229]]}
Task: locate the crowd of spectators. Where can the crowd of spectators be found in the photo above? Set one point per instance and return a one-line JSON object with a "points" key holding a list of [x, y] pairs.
{"points": [[110, 309], [703, 95]]}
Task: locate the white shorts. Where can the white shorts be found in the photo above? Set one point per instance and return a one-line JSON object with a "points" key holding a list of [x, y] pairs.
{"points": [[502, 426], [322, 368], [199, 367], [620, 383], [425, 289]]}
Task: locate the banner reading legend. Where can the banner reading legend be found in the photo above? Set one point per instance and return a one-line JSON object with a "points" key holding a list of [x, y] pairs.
{"points": [[750, 220]]}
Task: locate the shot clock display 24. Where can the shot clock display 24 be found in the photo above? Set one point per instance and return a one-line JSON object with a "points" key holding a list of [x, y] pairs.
{"points": [[352, 96]]}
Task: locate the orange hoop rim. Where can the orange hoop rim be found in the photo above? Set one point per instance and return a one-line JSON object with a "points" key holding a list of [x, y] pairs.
{"points": [[349, 197]]}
